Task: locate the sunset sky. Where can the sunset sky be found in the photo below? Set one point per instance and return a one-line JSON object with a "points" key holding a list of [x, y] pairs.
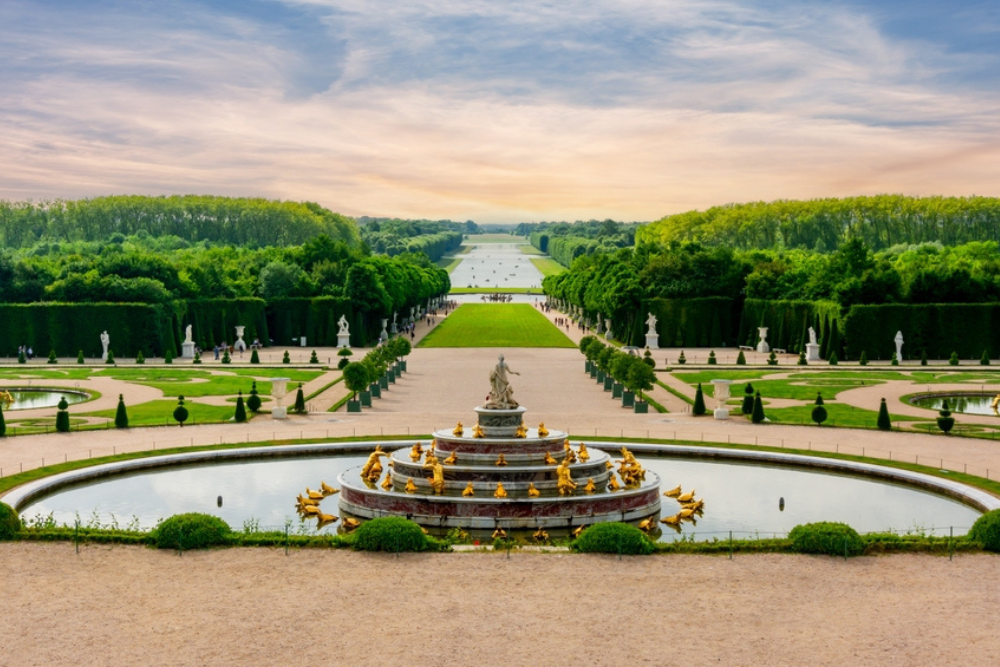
{"points": [[500, 110]]}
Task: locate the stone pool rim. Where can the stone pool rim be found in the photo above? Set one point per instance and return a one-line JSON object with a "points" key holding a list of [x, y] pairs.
{"points": [[967, 494], [87, 395]]}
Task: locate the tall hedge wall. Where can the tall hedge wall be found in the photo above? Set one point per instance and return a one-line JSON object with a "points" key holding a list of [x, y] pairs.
{"points": [[316, 319], [705, 322], [788, 324], [69, 327], [214, 320], [938, 328]]}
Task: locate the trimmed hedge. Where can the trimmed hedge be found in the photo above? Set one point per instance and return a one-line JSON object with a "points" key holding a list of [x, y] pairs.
{"points": [[190, 531], [704, 322], [826, 537], [391, 533], [613, 538], [788, 324], [937, 328], [10, 522], [986, 531]]}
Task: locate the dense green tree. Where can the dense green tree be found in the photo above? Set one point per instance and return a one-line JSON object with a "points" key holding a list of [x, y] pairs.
{"points": [[883, 422]]}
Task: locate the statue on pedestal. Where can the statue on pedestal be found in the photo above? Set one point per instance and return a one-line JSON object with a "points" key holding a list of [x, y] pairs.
{"points": [[501, 394], [651, 323], [899, 345], [105, 341]]}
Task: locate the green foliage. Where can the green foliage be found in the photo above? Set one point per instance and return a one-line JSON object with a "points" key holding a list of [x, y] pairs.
{"points": [[863, 359], [923, 358], [895, 361], [613, 538], [883, 422], [681, 359], [392, 533], [52, 357], [945, 421], [400, 346], [22, 358], [168, 356], [819, 398], [111, 357], [639, 377], [139, 358], [197, 357], [757, 414], [699, 402], [496, 325], [300, 400], [241, 412], [121, 414], [226, 359], [747, 406], [953, 360], [10, 523], [819, 414], [986, 531], [985, 359], [286, 358], [62, 417], [357, 377], [180, 412], [190, 531], [741, 359], [802, 359], [253, 401], [313, 358], [826, 538], [772, 359], [254, 357], [79, 357], [833, 359], [344, 352], [3, 423], [342, 364], [711, 358]]}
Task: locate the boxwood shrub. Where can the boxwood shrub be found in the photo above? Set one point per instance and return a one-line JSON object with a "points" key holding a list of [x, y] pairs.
{"points": [[986, 531], [613, 538], [10, 522], [826, 537], [391, 533], [190, 531]]}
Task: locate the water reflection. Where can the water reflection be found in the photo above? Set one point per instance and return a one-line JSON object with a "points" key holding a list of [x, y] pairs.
{"points": [[743, 498], [969, 405], [27, 399]]}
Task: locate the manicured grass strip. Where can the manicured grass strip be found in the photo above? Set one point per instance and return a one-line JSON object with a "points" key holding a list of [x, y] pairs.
{"points": [[547, 265], [319, 391], [656, 406], [689, 401], [200, 382], [838, 414], [496, 325], [159, 413], [528, 249]]}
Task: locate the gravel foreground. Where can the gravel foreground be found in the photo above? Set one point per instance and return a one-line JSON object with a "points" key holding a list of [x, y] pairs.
{"points": [[133, 605]]}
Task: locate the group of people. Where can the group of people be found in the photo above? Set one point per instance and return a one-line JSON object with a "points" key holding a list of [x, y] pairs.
{"points": [[26, 351]]}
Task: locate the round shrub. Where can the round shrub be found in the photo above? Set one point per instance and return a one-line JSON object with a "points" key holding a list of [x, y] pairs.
{"points": [[826, 537], [10, 522], [986, 530], [190, 531], [613, 538], [390, 533]]}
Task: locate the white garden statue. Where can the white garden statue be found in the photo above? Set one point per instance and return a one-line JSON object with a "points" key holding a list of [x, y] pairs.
{"points": [[105, 341], [899, 345], [651, 322]]}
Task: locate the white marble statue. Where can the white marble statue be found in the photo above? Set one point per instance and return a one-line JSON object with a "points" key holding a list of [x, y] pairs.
{"points": [[899, 345], [812, 336], [651, 322], [188, 336], [342, 323], [105, 341], [501, 393]]}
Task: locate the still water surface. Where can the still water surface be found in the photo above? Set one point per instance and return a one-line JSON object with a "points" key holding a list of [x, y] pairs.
{"points": [[740, 497], [969, 405], [27, 399]]}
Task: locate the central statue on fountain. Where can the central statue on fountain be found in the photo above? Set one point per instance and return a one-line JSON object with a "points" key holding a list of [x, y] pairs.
{"points": [[501, 394]]}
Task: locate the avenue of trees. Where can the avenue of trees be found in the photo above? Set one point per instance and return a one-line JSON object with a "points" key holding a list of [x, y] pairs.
{"points": [[433, 238], [564, 242]]}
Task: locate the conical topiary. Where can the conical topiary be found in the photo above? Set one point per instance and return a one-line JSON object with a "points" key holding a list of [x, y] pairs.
{"points": [[894, 361], [802, 359], [953, 360], [757, 416], [883, 422], [62, 417], [197, 357], [22, 358], [819, 398], [140, 358], [253, 400], [111, 357], [168, 356], [699, 402], [833, 359], [121, 416], [747, 406], [741, 359], [241, 411], [711, 358], [819, 415], [287, 359], [254, 357], [772, 359], [923, 358], [863, 359], [79, 357], [52, 357], [945, 421], [300, 401], [681, 359], [313, 358], [985, 359], [180, 412], [226, 359]]}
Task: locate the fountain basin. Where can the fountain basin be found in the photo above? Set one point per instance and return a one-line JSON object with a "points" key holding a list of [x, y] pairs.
{"points": [[31, 398], [960, 402]]}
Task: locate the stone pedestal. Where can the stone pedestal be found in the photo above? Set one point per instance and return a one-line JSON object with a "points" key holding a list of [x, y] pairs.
{"points": [[653, 341], [279, 412], [500, 423], [812, 352], [187, 350], [344, 340]]}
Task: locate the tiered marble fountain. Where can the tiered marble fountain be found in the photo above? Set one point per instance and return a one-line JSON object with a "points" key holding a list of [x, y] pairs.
{"points": [[467, 464]]}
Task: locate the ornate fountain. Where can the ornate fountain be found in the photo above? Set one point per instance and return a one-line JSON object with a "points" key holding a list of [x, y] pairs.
{"points": [[500, 474]]}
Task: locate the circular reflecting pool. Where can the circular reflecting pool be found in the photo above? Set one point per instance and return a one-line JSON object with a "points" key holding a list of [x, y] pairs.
{"points": [[969, 404], [739, 497], [28, 399]]}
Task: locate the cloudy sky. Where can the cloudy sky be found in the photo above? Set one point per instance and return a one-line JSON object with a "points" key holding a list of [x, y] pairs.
{"points": [[500, 110]]}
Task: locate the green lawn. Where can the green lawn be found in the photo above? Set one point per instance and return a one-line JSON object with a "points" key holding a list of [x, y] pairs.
{"points": [[200, 382], [159, 413], [528, 249], [496, 325], [547, 265]]}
